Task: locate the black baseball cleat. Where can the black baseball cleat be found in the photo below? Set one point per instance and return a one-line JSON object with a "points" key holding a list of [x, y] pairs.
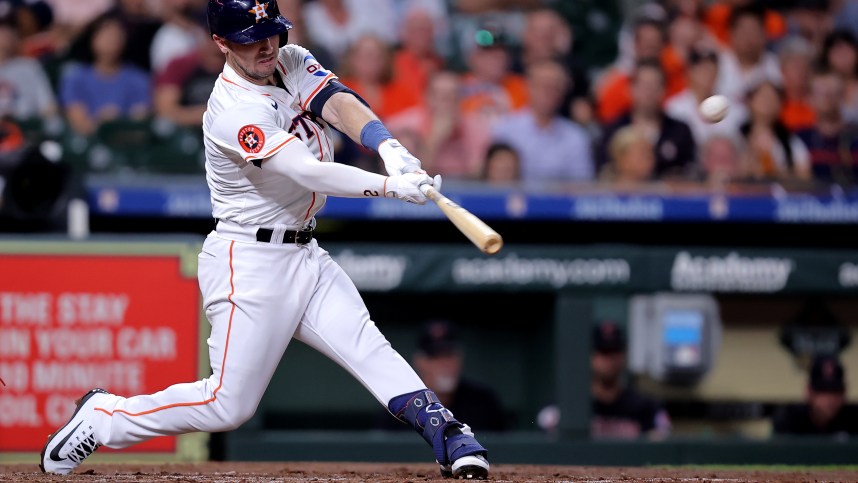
{"points": [[72, 443]]}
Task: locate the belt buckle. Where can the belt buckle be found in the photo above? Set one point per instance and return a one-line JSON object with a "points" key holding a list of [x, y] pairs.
{"points": [[298, 237]]}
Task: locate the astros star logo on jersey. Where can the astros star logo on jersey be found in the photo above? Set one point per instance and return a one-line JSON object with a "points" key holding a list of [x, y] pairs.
{"points": [[251, 138], [259, 10]]}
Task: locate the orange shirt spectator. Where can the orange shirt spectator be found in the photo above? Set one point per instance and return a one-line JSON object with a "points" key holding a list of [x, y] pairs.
{"points": [[11, 137], [511, 95], [796, 57], [368, 70], [490, 88], [415, 71], [614, 95], [417, 60], [797, 115], [717, 18], [386, 99]]}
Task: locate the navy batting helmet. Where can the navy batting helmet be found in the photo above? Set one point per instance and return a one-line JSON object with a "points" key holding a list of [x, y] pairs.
{"points": [[246, 21]]}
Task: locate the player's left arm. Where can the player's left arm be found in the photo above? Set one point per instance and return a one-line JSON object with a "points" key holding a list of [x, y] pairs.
{"points": [[346, 112], [321, 93]]}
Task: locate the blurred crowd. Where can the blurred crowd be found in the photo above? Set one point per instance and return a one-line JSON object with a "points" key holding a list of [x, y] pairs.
{"points": [[498, 91]]}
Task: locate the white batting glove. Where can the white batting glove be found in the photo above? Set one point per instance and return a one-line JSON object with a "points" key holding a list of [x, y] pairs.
{"points": [[407, 187], [437, 183], [397, 159]]}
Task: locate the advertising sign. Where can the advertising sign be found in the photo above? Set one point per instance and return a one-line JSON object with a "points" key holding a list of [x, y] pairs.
{"points": [[69, 323]]}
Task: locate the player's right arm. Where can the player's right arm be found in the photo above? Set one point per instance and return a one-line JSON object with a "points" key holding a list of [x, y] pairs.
{"points": [[297, 162], [270, 148]]}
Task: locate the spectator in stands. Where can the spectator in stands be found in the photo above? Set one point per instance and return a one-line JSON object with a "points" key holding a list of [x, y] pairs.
{"points": [[614, 90], [502, 165], [490, 88], [745, 62], [72, 16], [104, 87], [720, 160], [796, 57], [809, 20], [141, 23], [686, 30], [595, 25], [845, 16], [825, 412], [833, 144], [469, 17], [582, 110], [547, 36], [685, 106], [33, 20], [25, 92], [718, 18], [438, 361], [772, 151], [367, 68], [336, 25], [552, 148], [11, 137], [416, 59], [451, 143], [181, 34], [675, 149], [840, 54], [294, 11], [438, 13], [632, 161], [182, 89]]}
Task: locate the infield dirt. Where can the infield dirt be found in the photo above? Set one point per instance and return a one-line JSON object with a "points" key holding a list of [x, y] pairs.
{"points": [[238, 472]]}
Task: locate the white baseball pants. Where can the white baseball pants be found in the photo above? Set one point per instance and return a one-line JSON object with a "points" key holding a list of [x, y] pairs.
{"points": [[257, 296]]}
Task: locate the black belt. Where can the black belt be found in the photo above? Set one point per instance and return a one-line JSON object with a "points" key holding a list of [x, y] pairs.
{"points": [[302, 237]]}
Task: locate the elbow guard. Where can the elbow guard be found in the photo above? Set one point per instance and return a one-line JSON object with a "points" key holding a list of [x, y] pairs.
{"points": [[329, 90]]}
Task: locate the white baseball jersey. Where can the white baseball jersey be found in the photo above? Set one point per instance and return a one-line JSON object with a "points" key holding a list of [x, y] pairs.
{"points": [[246, 122]]}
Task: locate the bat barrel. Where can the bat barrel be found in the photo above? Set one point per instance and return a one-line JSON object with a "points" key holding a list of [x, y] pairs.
{"points": [[480, 234]]}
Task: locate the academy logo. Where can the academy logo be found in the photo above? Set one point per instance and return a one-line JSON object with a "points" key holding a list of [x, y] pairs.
{"points": [[259, 11], [731, 273], [251, 139], [555, 272], [373, 272]]}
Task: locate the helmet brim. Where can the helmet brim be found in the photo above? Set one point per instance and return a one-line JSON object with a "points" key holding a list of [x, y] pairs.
{"points": [[261, 31]]}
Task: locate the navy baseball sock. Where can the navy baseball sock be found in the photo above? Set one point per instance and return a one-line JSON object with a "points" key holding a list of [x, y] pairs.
{"points": [[425, 413]]}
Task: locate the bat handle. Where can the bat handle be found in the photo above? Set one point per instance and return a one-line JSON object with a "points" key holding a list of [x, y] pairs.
{"points": [[429, 191]]}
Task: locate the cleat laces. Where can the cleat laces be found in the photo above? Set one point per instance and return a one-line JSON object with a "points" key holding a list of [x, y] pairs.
{"points": [[83, 449]]}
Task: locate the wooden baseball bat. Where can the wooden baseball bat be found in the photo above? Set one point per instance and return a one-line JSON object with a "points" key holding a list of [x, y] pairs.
{"points": [[480, 234]]}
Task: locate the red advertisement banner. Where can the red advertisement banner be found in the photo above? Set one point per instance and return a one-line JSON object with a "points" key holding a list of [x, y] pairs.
{"points": [[128, 324]]}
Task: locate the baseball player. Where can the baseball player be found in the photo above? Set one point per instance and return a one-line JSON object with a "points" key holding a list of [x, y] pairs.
{"points": [[263, 277]]}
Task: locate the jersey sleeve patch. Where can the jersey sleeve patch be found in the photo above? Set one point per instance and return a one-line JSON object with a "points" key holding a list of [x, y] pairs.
{"points": [[251, 138]]}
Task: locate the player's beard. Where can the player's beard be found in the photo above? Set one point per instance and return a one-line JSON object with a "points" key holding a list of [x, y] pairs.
{"points": [[255, 74]]}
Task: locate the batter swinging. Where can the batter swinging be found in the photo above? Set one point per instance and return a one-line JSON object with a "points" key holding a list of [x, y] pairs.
{"points": [[263, 277]]}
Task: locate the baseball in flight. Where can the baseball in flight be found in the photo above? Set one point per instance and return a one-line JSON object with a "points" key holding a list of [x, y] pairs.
{"points": [[714, 108]]}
